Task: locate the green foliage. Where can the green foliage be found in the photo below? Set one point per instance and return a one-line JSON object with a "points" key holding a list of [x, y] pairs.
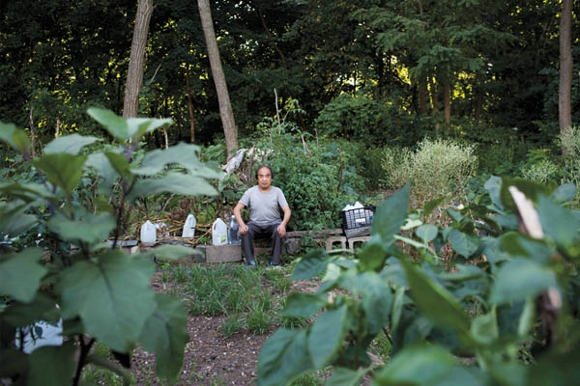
{"points": [[497, 299], [437, 168], [540, 168], [570, 139], [56, 264], [318, 177]]}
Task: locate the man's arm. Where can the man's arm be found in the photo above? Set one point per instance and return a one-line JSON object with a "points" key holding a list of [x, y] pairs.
{"points": [[282, 226], [238, 213]]}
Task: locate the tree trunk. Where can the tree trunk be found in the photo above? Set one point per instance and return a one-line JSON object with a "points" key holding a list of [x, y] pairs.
{"points": [[566, 64], [137, 59], [226, 112], [447, 104]]}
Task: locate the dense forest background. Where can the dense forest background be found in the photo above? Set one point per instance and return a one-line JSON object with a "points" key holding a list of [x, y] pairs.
{"points": [[382, 72]]}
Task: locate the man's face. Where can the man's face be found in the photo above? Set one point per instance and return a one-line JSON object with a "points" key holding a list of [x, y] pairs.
{"points": [[264, 178]]}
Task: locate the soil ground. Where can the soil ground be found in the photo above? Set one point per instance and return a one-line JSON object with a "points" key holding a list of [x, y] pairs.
{"points": [[210, 358]]}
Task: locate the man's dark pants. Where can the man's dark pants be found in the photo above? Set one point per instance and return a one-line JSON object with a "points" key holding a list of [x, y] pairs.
{"points": [[262, 231]]}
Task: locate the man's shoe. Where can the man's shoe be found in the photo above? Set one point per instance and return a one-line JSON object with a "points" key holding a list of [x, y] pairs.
{"points": [[272, 264], [251, 263]]}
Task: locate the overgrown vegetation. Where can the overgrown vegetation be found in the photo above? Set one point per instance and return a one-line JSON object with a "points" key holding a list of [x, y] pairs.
{"points": [[499, 307], [55, 266]]}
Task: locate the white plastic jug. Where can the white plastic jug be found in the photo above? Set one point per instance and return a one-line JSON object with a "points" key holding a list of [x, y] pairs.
{"points": [[148, 233], [219, 232], [189, 226]]}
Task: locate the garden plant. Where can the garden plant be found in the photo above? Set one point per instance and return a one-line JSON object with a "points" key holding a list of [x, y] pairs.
{"points": [[57, 266]]}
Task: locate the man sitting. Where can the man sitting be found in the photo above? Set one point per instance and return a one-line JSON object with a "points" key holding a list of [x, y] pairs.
{"points": [[264, 201]]}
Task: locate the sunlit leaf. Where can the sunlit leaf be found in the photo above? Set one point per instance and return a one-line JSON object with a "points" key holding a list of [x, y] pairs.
{"points": [[345, 377]]}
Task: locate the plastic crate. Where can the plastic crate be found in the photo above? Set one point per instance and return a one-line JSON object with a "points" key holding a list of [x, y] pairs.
{"points": [[357, 222]]}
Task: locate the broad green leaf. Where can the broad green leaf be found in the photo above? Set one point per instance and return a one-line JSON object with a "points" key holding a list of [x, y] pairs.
{"points": [[171, 252], [20, 275], [397, 308], [520, 245], [164, 335], [464, 244], [119, 163], [345, 377], [514, 279], [427, 232], [327, 335], [102, 165], [71, 144], [391, 214], [115, 125], [376, 297], [42, 307], [16, 138], [493, 186], [104, 292], [313, 264], [27, 192], [90, 228], [555, 369], [173, 182], [14, 220], [430, 206], [463, 272], [527, 318], [186, 155], [559, 224], [283, 357], [52, 365], [564, 193], [13, 363], [416, 365], [484, 328], [304, 305], [63, 170], [436, 302], [372, 256], [126, 129]]}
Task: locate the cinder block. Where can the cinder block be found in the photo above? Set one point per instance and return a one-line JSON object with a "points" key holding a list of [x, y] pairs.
{"points": [[223, 253]]}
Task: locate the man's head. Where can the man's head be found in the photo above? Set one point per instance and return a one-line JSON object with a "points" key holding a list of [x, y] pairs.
{"points": [[264, 176]]}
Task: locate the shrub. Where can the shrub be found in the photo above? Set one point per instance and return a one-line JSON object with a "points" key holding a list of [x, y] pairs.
{"points": [[435, 169], [571, 140], [55, 265]]}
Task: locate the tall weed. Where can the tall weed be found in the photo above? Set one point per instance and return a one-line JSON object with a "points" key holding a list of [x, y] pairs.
{"points": [[438, 167]]}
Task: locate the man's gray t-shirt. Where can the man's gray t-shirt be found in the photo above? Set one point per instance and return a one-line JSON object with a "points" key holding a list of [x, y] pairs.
{"points": [[264, 207]]}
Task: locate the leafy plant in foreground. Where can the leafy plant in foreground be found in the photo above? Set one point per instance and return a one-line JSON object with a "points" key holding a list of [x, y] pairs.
{"points": [[506, 298], [99, 291]]}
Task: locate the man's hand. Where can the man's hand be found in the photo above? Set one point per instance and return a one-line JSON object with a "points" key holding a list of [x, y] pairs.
{"points": [[243, 229], [281, 230]]}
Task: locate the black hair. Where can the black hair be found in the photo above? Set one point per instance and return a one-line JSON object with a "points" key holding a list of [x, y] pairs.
{"points": [[262, 167]]}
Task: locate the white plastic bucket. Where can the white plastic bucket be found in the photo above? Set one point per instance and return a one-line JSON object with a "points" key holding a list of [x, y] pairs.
{"points": [[189, 226], [219, 232], [148, 233]]}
